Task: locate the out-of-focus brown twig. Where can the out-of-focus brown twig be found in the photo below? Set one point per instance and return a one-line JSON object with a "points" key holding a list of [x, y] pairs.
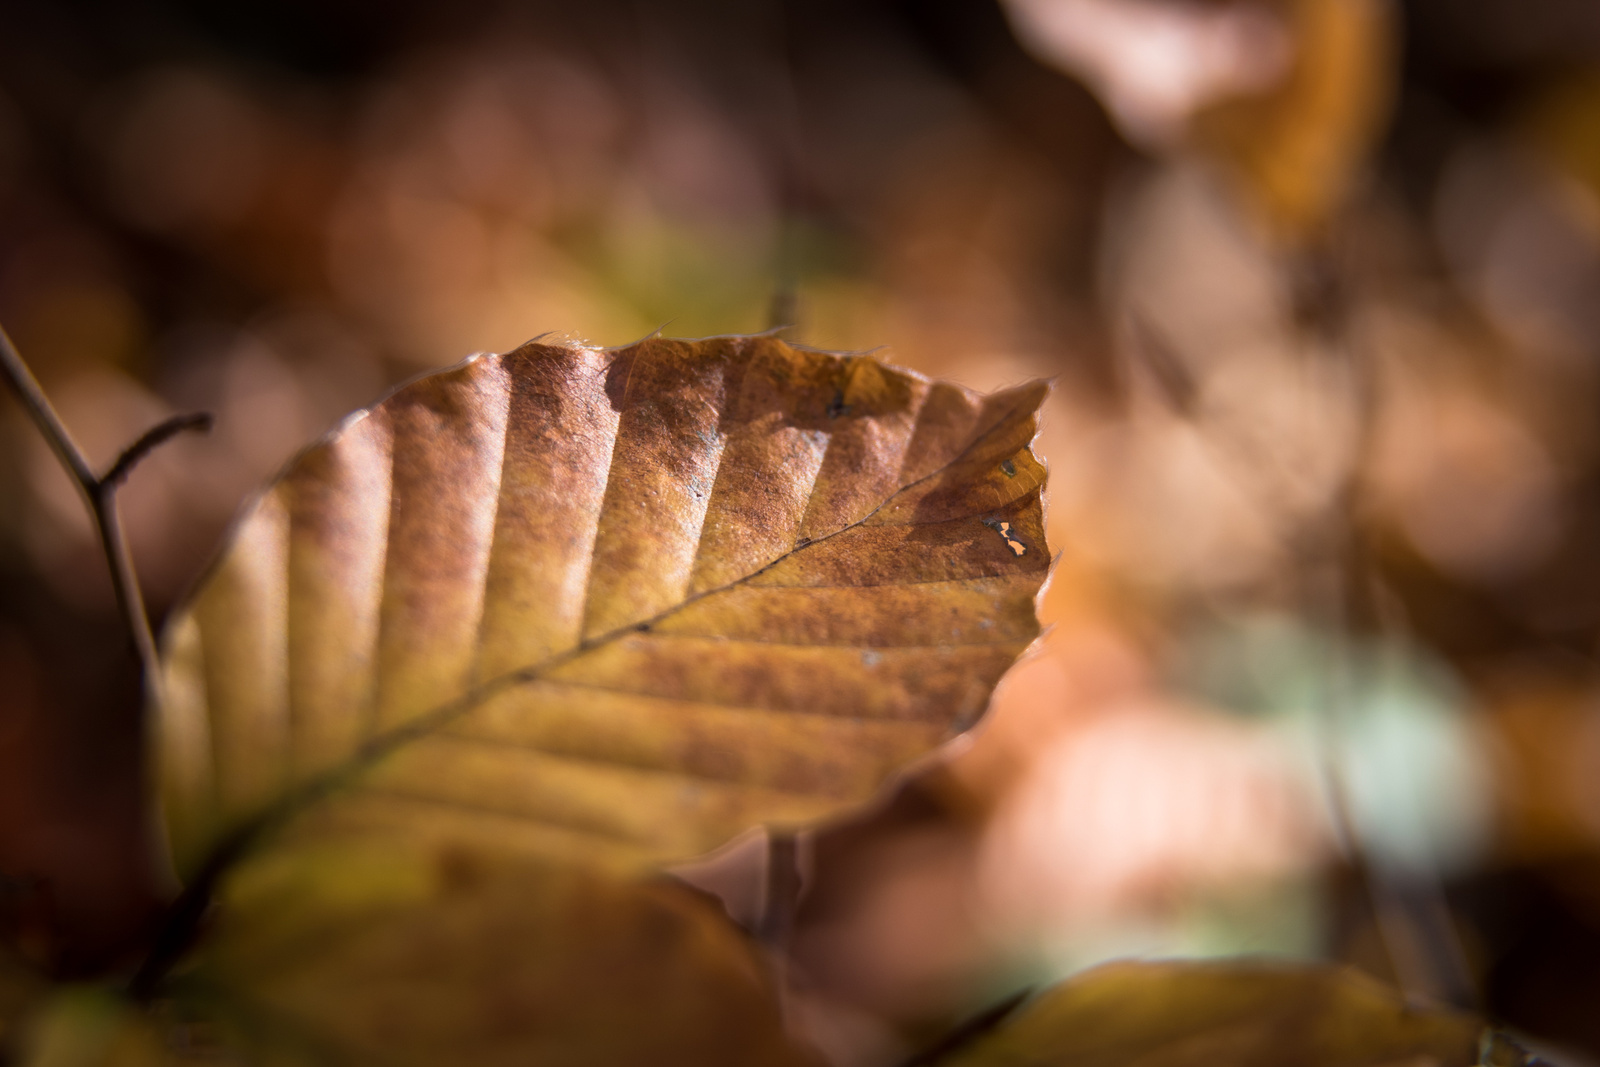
{"points": [[100, 493], [1414, 927]]}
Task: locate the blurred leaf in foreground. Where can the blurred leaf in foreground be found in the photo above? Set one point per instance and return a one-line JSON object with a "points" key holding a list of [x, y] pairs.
{"points": [[372, 950], [608, 604], [387, 951], [1176, 1014], [82, 1026]]}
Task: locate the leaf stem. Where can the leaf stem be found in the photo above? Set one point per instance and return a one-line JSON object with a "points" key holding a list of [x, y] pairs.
{"points": [[100, 493]]}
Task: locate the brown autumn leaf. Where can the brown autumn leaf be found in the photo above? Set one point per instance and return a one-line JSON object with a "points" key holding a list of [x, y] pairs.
{"points": [[1286, 97], [1235, 1013], [386, 950], [1296, 151], [86, 1026], [615, 604]]}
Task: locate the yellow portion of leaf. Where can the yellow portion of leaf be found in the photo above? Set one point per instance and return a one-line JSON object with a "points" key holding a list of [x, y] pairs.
{"points": [[622, 604], [1240, 1014], [88, 1027], [387, 951], [1296, 150], [22, 988]]}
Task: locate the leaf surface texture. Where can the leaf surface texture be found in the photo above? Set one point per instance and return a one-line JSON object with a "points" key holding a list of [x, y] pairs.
{"points": [[622, 603]]}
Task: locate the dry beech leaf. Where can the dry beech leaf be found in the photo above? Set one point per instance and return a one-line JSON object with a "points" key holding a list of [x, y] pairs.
{"points": [[1297, 149], [386, 950], [616, 604], [1241, 1014]]}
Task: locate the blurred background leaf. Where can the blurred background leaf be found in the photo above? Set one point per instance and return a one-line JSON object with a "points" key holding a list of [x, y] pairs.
{"points": [[1187, 1013]]}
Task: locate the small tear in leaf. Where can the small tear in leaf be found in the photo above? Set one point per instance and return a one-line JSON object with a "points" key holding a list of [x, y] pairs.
{"points": [[1009, 467], [1004, 530], [837, 406], [870, 658]]}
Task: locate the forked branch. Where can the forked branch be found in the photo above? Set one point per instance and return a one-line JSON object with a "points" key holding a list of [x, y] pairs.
{"points": [[100, 493]]}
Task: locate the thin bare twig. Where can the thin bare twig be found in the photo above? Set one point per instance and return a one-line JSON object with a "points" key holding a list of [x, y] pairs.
{"points": [[152, 439], [44, 416], [99, 494]]}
